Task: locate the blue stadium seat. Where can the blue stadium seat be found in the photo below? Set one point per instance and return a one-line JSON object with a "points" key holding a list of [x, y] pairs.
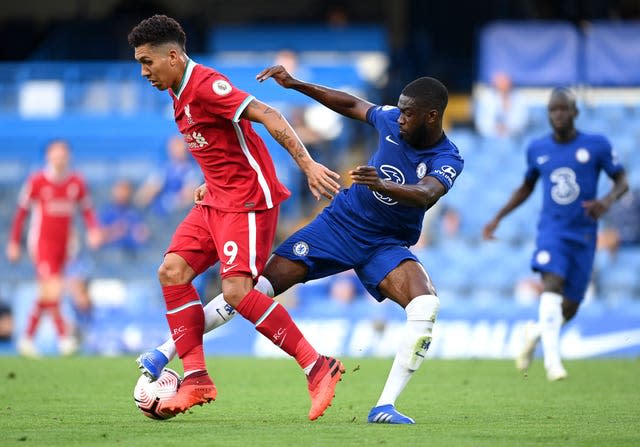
{"points": [[260, 38], [532, 53], [611, 55]]}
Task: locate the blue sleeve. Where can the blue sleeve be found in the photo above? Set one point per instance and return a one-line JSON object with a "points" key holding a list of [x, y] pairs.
{"points": [[532, 173], [446, 169], [608, 159], [376, 113]]}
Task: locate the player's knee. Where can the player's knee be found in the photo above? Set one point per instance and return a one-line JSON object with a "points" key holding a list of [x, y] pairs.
{"points": [[553, 283], [423, 307], [235, 289], [569, 310], [170, 273]]}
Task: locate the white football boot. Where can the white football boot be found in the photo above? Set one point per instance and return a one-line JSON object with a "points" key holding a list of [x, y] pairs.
{"points": [[27, 348], [531, 338], [556, 372], [68, 345]]}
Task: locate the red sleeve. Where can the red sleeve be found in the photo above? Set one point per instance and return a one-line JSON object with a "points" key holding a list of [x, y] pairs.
{"points": [[24, 198], [86, 205], [222, 98], [18, 223]]}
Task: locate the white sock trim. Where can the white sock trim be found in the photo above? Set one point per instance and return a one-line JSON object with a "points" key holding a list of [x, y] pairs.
{"points": [[263, 285], [184, 306]]}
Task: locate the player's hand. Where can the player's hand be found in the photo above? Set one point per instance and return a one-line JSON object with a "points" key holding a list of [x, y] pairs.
{"points": [[322, 181], [95, 238], [279, 74], [368, 176], [595, 208], [489, 230], [13, 252], [199, 193]]}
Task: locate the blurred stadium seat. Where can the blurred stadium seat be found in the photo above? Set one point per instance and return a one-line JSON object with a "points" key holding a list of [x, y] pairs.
{"points": [[533, 53], [610, 58]]}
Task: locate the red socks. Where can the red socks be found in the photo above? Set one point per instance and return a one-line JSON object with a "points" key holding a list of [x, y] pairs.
{"points": [[274, 322], [34, 318], [41, 307], [186, 321]]}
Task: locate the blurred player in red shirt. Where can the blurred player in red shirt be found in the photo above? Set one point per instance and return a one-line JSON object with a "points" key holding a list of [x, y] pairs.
{"points": [[52, 195], [235, 222]]}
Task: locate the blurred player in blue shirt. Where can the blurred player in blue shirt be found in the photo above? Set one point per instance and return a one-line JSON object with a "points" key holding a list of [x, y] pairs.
{"points": [[370, 226], [569, 163]]}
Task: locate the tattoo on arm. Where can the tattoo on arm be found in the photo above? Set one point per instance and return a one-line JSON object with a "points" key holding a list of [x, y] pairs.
{"points": [[301, 152], [281, 137], [269, 110]]}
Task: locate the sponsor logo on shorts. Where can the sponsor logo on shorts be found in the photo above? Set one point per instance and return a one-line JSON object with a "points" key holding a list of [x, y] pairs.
{"points": [[301, 249], [226, 268], [543, 257]]}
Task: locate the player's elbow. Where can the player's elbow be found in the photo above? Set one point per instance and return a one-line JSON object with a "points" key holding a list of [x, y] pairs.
{"points": [[428, 200]]}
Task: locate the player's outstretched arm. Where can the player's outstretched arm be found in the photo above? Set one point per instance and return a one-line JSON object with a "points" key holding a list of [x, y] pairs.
{"points": [[321, 180], [517, 198], [341, 102], [425, 194]]}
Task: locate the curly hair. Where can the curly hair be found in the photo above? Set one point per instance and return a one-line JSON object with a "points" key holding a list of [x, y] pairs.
{"points": [[428, 91], [157, 30]]}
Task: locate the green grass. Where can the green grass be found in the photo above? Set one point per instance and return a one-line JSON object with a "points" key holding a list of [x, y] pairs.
{"points": [[88, 402]]}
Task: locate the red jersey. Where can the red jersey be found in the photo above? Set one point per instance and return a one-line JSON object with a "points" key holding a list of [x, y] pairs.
{"points": [[236, 164], [53, 203]]}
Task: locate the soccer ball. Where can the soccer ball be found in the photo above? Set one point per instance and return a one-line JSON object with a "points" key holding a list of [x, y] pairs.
{"points": [[148, 394]]}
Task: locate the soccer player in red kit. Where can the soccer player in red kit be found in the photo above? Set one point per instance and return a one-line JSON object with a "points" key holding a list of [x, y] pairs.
{"points": [[52, 195], [236, 221]]}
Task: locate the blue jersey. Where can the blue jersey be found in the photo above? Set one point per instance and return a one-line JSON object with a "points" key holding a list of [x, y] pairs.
{"points": [[382, 219], [569, 173]]}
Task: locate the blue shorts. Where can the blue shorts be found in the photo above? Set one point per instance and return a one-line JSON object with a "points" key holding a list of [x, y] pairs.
{"points": [[327, 248], [572, 260]]}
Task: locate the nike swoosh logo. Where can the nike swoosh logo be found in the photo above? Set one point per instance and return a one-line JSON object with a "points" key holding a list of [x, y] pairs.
{"points": [[587, 346], [227, 268], [542, 159], [388, 138], [282, 341], [178, 338]]}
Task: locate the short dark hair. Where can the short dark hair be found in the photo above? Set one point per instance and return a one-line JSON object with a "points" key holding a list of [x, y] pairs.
{"points": [[566, 92], [157, 30], [428, 92]]}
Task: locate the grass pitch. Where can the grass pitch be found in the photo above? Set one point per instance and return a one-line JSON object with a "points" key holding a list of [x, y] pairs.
{"points": [[88, 401]]}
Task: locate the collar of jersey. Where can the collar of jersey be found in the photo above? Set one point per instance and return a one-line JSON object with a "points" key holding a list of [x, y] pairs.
{"points": [[185, 77]]}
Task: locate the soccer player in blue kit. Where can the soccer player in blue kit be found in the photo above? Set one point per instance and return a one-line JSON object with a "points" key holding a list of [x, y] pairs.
{"points": [[569, 163], [370, 226]]}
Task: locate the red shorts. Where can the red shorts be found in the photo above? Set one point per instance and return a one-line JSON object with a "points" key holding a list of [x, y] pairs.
{"points": [[50, 259], [242, 242]]}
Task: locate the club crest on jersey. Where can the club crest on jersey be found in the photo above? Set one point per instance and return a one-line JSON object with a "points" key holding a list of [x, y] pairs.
{"points": [[582, 155], [221, 87], [301, 249], [187, 112], [393, 174], [421, 170]]}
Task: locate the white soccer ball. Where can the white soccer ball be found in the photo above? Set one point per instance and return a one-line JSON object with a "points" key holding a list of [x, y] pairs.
{"points": [[148, 394]]}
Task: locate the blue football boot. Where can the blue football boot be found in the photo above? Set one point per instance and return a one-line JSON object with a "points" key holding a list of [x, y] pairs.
{"points": [[151, 363], [387, 414]]}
